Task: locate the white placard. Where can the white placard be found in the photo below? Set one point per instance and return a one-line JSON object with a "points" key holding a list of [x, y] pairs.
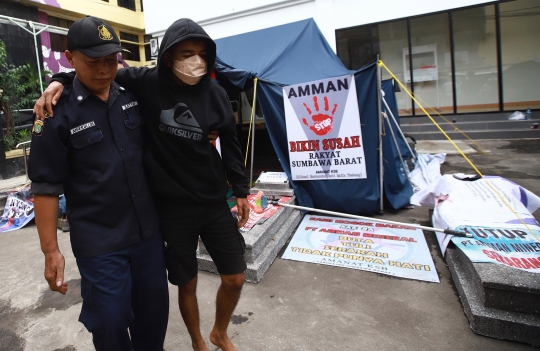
{"points": [[323, 130], [373, 246], [273, 177]]}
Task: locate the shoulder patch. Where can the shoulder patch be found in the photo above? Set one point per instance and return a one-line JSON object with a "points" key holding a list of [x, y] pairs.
{"points": [[37, 128]]}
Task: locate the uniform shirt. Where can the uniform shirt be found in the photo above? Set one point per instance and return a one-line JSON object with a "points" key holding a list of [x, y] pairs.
{"points": [[92, 152]]}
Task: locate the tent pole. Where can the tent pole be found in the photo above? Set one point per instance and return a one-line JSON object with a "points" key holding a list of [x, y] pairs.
{"points": [[34, 34], [399, 128], [37, 54], [380, 118], [405, 168], [253, 117], [252, 152], [339, 214]]}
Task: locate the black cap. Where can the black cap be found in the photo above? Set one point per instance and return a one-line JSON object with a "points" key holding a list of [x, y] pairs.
{"points": [[93, 37]]}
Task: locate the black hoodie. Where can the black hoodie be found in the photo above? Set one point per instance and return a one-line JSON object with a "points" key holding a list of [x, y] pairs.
{"points": [[180, 162], [181, 165]]}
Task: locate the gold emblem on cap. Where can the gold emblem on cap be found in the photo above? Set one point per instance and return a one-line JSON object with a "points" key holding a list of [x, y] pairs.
{"points": [[104, 33]]}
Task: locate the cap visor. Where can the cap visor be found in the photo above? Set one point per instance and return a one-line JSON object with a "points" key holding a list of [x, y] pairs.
{"points": [[102, 50]]}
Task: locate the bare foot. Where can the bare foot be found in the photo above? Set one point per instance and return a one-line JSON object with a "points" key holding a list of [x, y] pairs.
{"points": [[222, 341], [199, 346]]}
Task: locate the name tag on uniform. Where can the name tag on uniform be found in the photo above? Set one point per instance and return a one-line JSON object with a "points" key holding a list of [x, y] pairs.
{"points": [[131, 104], [82, 127]]}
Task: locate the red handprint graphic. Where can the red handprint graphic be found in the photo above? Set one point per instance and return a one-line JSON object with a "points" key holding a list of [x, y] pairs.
{"points": [[322, 122]]}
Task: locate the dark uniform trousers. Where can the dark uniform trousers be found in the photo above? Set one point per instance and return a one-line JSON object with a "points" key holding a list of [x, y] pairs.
{"points": [[126, 289]]}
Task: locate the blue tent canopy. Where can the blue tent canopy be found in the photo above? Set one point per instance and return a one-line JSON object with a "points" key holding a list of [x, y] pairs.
{"points": [[289, 54], [295, 53]]}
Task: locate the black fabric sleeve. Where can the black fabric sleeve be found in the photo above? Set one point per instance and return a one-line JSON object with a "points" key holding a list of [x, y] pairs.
{"points": [[66, 78], [128, 77], [47, 165], [46, 189], [231, 153], [132, 78]]}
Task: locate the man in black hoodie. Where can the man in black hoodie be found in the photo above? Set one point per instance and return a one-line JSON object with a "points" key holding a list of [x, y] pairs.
{"points": [[187, 176]]}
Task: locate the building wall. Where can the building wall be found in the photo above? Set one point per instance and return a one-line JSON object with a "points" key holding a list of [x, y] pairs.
{"points": [[456, 64], [231, 17], [108, 11], [121, 19], [455, 43], [350, 13]]}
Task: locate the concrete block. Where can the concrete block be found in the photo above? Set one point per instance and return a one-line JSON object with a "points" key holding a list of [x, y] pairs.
{"points": [[484, 320], [509, 289], [259, 264], [261, 234]]}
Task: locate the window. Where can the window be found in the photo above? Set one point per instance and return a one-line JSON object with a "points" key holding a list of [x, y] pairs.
{"points": [[520, 50], [59, 41], [354, 46], [147, 51], [131, 37], [134, 54], [431, 66], [389, 41], [128, 4], [475, 58]]}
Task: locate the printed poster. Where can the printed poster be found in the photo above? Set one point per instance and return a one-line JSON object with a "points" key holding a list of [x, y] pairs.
{"points": [[509, 245], [18, 211], [395, 250], [323, 130], [497, 212]]}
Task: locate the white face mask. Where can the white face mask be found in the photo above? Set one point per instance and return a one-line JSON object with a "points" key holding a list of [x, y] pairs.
{"points": [[191, 70]]}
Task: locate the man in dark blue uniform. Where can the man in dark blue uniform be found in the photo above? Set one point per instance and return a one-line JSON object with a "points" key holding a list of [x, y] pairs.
{"points": [[92, 152]]}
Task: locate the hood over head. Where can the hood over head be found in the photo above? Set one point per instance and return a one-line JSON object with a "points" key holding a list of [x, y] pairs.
{"points": [[180, 30]]}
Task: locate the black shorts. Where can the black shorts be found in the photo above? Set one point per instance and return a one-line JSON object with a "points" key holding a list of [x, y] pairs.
{"points": [[181, 226]]}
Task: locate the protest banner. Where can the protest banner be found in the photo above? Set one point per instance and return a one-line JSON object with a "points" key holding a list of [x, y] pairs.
{"points": [[497, 212], [323, 130], [505, 244], [18, 211], [373, 246]]}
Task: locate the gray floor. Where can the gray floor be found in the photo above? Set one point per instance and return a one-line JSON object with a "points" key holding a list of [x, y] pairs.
{"points": [[296, 306]]}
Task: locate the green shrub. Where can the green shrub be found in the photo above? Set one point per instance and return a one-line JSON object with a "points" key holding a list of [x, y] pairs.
{"points": [[19, 136], [20, 87]]}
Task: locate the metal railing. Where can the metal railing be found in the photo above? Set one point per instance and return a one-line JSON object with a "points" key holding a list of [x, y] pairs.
{"points": [[26, 146]]}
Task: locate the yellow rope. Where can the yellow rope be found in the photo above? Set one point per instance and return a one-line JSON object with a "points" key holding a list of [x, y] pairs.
{"points": [[251, 119], [381, 64]]}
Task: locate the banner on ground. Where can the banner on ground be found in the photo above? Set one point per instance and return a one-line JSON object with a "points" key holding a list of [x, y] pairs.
{"points": [[323, 130], [497, 212], [400, 251], [18, 211], [504, 244], [258, 218]]}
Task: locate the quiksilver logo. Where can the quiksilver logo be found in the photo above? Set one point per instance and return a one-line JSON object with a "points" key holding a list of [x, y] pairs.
{"points": [[179, 121]]}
